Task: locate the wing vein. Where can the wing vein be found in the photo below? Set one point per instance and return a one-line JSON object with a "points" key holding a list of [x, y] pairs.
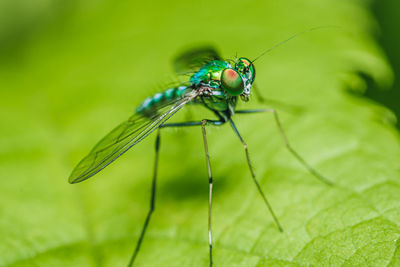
{"points": [[123, 137]]}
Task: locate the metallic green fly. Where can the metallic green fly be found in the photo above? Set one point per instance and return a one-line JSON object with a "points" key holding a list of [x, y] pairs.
{"points": [[216, 84]]}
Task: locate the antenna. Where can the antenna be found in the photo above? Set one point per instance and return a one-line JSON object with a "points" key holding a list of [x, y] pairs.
{"points": [[290, 38]]}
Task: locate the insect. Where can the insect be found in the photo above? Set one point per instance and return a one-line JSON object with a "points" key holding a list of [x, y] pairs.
{"points": [[214, 83]]}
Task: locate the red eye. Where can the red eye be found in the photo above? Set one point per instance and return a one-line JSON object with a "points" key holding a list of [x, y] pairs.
{"points": [[232, 82]]}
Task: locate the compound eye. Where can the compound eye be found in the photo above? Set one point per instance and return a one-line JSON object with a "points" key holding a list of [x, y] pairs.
{"points": [[244, 61], [244, 65], [232, 82]]}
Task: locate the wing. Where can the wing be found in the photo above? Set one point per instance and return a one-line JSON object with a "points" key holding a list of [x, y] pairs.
{"points": [[192, 59], [123, 137]]}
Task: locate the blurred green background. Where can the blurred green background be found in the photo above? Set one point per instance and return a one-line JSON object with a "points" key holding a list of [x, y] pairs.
{"points": [[72, 70], [386, 12]]}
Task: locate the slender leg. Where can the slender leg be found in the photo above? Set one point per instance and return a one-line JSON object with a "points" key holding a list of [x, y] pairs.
{"points": [[253, 175], [210, 182], [153, 186], [287, 144], [152, 198], [203, 123]]}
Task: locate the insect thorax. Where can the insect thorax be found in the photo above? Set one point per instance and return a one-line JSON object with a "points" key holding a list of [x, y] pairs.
{"points": [[209, 78], [219, 101]]}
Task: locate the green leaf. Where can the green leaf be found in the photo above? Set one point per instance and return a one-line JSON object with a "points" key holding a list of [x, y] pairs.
{"points": [[80, 69]]}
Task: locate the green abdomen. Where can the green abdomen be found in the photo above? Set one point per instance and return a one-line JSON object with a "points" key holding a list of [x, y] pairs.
{"points": [[151, 104]]}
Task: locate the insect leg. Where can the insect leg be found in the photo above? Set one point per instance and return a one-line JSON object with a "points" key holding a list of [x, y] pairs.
{"points": [[152, 200], [203, 123], [153, 187], [210, 185], [287, 144], [253, 175]]}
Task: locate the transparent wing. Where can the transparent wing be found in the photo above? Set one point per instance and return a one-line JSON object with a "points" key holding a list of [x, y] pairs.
{"points": [[123, 137], [192, 59]]}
